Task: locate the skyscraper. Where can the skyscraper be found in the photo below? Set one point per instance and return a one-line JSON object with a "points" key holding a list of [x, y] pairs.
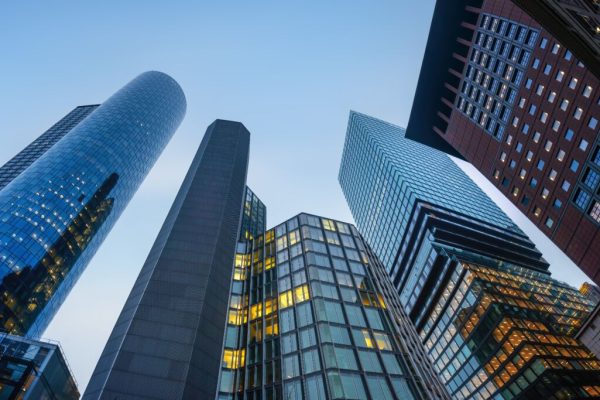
{"points": [[493, 321], [500, 91], [226, 309], [39, 146], [67, 190]]}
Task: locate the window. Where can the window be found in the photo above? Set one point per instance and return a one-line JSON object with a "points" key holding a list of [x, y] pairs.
{"points": [[555, 48], [328, 311], [591, 180], [548, 145], [547, 69], [540, 165], [582, 198], [544, 117], [515, 191], [308, 337], [379, 388], [503, 156], [583, 145], [551, 97], [528, 83], [545, 193], [561, 155], [525, 129], [573, 83], [592, 123], [291, 366], [578, 113], [536, 63], [369, 361], [574, 165], [569, 134], [543, 43], [539, 90], [568, 55], [355, 315], [557, 203], [522, 102], [556, 125], [310, 360], [560, 75], [552, 174], [529, 156], [566, 185], [595, 211], [505, 181], [532, 109], [533, 183], [383, 341], [522, 173], [537, 211], [549, 222], [513, 164], [315, 389], [587, 91], [564, 104], [536, 137], [525, 200]]}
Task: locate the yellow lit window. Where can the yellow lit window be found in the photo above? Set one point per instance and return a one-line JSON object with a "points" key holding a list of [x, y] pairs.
{"points": [[285, 299], [257, 267], [294, 237], [269, 263], [239, 260], [239, 274], [237, 317], [282, 243], [328, 224], [271, 326], [269, 236], [301, 293], [255, 311], [383, 341], [381, 301], [234, 358], [270, 306], [367, 338]]}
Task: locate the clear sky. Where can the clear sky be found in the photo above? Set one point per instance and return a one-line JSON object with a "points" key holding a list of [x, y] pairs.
{"points": [[289, 70]]}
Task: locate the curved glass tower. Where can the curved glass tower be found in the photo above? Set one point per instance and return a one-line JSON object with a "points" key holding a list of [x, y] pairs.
{"points": [[56, 213]]}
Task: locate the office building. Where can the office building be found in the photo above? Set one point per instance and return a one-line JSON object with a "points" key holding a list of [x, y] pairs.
{"points": [[67, 190], [575, 23], [226, 309], [39, 146], [33, 370], [492, 319], [500, 91]]}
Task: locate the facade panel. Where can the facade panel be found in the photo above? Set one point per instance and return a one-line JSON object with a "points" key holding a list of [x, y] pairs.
{"points": [[55, 214]]}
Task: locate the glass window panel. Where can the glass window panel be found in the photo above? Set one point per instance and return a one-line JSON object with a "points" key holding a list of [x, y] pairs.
{"points": [[308, 337], [379, 388], [310, 361], [315, 388], [369, 361]]}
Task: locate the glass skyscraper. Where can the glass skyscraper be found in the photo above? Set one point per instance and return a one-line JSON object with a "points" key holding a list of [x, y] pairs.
{"points": [[226, 309], [64, 193], [493, 321]]}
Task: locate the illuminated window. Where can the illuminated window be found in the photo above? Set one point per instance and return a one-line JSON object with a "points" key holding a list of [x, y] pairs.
{"points": [[328, 224], [234, 359], [592, 123], [573, 83], [237, 317], [529, 156], [552, 174], [556, 125], [551, 97], [583, 145], [578, 113], [301, 293], [544, 117], [587, 91], [564, 104], [555, 48], [566, 185], [383, 341], [286, 299], [537, 211], [539, 90], [294, 237], [548, 145], [561, 155], [256, 311], [560, 75], [595, 211], [515, 191], [545, 193]]}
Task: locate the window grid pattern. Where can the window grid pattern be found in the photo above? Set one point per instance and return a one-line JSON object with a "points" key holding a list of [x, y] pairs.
{"points": [[499, 57], [587, 195], [309, 319], [57, 212]]}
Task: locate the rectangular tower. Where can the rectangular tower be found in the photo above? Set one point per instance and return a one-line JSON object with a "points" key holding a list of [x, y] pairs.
{"points": [[500, 91], [493, 321], [168, 339]]}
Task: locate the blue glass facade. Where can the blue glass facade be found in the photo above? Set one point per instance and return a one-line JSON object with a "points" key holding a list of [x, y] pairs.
{"points": [[383, 174], [39, 146], [56, 213]]}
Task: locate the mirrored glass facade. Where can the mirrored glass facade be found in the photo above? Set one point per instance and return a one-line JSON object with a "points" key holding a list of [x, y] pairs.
{"points": [[28, 155], [382, 174], [310, 317], [33, 370], [55, 214]]}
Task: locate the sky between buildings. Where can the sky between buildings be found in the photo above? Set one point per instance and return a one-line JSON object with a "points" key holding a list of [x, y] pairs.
{"points": [[289, 70]]}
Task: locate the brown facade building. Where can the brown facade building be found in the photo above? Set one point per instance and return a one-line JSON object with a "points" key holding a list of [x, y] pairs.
{"points": [[498, 90]]}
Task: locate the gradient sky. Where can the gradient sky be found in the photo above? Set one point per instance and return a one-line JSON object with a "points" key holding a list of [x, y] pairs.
{"points": [[289, 70]]}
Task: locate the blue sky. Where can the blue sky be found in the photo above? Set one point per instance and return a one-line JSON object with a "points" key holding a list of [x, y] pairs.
{"points": [[289, 70]]}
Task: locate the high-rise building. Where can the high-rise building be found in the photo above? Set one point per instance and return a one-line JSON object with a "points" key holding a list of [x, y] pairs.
{"points": [[39, 146], [494, 323], [226, 309], [33, 370], [497, 89], [575, 23], [67, 190]]}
